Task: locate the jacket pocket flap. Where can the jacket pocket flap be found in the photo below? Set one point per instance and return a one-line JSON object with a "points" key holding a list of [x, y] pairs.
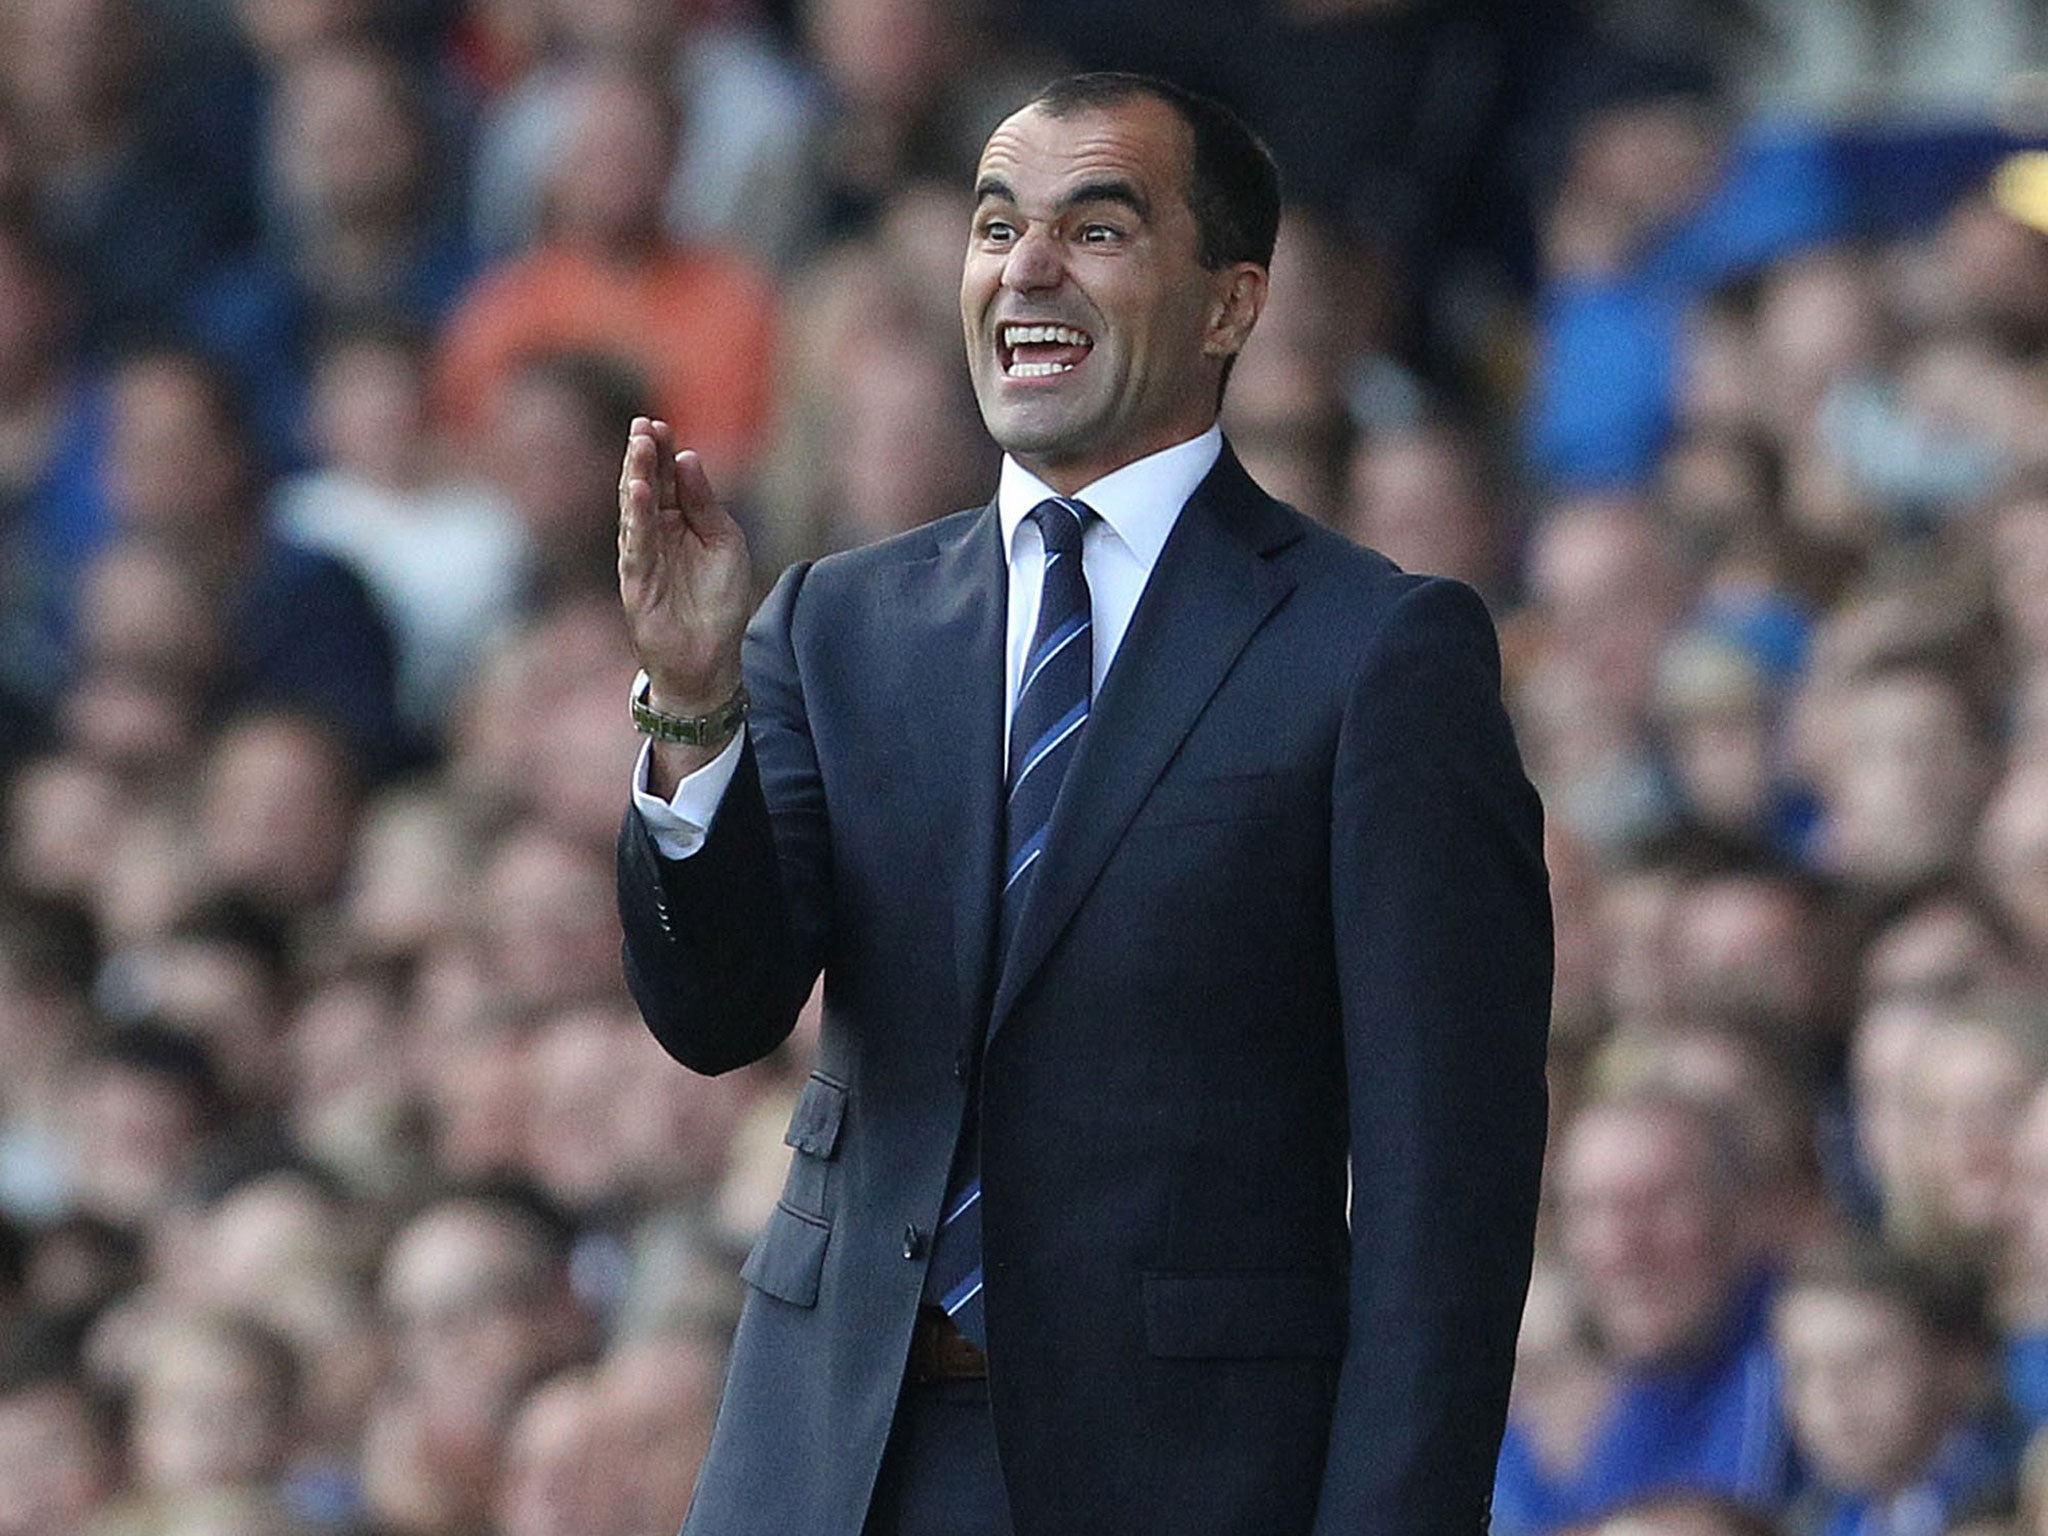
{"points": [[1192, 798], [788, 1257], [1244, 1315], [814, 1128]]}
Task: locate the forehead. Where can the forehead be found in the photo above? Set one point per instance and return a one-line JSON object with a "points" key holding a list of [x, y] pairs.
{"points": [[1140, 140], [1829, 1315], [1628, 1146]]}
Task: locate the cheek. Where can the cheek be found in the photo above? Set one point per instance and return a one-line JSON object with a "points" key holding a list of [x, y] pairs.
{"points": [[1687, 1251]]}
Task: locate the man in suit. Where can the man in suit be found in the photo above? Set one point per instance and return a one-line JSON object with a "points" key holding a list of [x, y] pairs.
{"points": [[1168, 860]]}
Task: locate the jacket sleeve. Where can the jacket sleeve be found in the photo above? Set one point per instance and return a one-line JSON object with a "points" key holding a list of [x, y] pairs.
{"points": [[1441, 910], [721, 948]]}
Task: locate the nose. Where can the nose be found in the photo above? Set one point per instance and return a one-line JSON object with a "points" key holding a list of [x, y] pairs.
{"points": [[1033, 263]]}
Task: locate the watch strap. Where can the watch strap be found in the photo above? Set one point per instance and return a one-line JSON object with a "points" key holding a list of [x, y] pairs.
{"points": [[712, 730]]}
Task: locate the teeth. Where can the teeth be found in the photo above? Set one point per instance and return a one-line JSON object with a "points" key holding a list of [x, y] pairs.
{"points": [[1038, 370], [1020, 335]]}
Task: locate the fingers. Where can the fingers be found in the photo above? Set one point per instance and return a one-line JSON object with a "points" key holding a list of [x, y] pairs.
{"points": [[693, 486], [637, 498], [664, 436], [658, 481]]}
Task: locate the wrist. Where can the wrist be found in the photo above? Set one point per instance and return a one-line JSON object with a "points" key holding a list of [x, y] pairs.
{"points": [[708, 728], [689, 697]]}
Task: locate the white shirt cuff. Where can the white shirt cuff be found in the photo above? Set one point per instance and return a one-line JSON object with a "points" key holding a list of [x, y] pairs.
{"points": [[680, 823]]}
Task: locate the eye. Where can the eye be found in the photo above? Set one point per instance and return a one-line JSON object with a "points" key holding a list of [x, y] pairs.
{"points": [[997, 231], [1100, 234]]}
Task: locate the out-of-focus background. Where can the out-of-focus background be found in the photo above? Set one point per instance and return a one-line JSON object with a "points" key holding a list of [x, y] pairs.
{"points": [[341, 1190]]}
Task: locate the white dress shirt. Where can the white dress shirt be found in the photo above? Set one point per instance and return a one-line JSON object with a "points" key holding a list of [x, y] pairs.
{"points": [[1136, 508]]}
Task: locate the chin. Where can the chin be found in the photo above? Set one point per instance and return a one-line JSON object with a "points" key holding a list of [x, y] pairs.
{"points": [[1019, 434]]}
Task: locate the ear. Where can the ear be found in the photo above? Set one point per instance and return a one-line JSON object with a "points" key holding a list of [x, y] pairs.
{"points": [[1239, 296]]}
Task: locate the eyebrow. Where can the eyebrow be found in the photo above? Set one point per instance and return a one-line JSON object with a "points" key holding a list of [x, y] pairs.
{"points": [[1110, 191]]}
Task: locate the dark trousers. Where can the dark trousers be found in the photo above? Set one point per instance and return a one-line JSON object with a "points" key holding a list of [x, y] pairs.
{"points": [[939, 1475]]}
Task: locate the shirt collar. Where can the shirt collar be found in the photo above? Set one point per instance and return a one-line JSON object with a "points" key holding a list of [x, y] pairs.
{"points": [[1139, 502]]}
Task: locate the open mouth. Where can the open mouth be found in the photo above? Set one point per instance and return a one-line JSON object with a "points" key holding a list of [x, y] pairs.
{"points": [[1040, 351]]}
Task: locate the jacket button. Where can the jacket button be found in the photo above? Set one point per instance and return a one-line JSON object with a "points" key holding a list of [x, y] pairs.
{"points": [[913, 1242]]}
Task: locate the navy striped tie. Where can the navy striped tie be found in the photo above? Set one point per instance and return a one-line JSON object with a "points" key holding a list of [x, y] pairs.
{"points": [[1045, 728]]}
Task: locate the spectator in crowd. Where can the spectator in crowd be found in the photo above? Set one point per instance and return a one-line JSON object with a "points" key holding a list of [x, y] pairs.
{"points": [[1420, 494], [1653, 1191], [748, 119], [286, 1249], [60, 1459], [548, 437], [441, 554], [1716, 713], [145, 1106], [214, 1408], [1884, 1385], [221, 974], [119, 143], [1606, 586], [658, 1394], [62, 817], [1749, 1080], [278, 799], [1972, 1070], [410, 876], [1657, 206], [546, 937], [303, 631], [360, 230], [1904, 779], [146, 605], [51, 515], [604, 274], [1312, 372], [351, 1106], [913, 88], [552, 1484], [477, 1291], [847, 467], [1563, 1386], [1749, 950]]}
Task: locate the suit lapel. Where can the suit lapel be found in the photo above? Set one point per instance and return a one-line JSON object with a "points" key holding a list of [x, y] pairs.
{"points": [[956, 608], [1207, 596]]}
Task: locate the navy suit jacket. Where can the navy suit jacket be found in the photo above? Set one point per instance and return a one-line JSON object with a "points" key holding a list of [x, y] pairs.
{"points": [[1291, 923]]}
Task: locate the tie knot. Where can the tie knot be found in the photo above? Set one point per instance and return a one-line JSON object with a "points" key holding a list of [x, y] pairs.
{"points": [[1060, 520]]}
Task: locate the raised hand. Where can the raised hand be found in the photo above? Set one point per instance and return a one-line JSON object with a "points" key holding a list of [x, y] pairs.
{"points": [[685, 579]]}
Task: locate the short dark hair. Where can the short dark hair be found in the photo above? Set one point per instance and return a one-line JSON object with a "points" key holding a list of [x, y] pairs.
{"points": [[178, 1060], [604, 388], [1949, 1306], [1233, 182]]}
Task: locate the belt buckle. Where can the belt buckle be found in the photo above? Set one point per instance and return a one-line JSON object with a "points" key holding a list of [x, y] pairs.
{"points": [[939, 1351]]}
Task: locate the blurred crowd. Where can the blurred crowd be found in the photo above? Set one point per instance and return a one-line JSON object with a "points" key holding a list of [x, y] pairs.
{"points": [[342, 1191]]}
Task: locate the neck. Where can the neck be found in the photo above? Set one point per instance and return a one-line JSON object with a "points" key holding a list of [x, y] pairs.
{"points": [[357, 257], [615, 247]]}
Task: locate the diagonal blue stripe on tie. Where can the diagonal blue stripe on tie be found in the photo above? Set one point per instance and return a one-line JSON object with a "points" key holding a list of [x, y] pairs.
{"points": [[1046, 726]]}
